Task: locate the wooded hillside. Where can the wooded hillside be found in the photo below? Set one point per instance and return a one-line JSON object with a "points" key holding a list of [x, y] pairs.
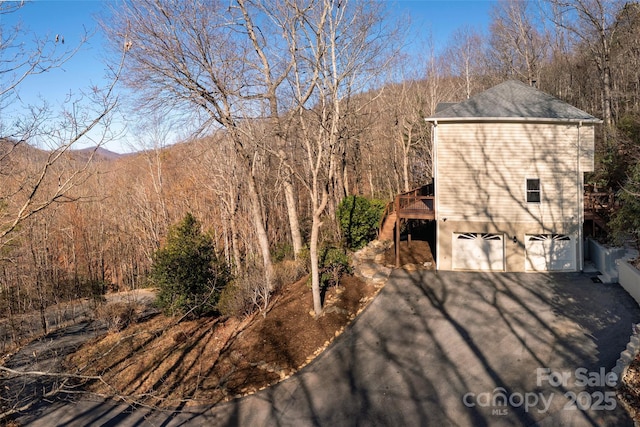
{"points": [[293, 115]]}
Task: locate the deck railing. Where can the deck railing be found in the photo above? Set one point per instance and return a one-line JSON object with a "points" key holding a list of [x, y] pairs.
{"points": [[410, 204], [389, 207], [602, 201], [414, 204]]}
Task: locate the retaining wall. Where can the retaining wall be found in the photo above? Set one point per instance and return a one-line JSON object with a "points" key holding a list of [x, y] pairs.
{"points": [[606, 259], [629, 279]]}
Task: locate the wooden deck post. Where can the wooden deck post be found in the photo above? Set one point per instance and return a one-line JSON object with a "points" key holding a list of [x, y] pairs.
{"points": [[397, 237]]}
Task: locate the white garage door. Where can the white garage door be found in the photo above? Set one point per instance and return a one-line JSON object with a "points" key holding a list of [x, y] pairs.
{"points": [[550, 252], [478, 251]]}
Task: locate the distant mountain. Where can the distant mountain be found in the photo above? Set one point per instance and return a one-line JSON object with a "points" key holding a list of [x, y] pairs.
{"points": [[35, 153], [100, 153]]}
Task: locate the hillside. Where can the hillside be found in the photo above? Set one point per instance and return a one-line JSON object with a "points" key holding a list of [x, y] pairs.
{"points": [[163, 363]]}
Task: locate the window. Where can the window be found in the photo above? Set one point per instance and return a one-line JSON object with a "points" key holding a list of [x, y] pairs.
{"points": [[483, 236], [547, 237], [533, 190]]}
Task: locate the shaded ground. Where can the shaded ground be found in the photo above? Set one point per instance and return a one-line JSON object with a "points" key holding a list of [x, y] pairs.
{"points": [[22, 329], [417, 253], [161, 363], [45, 355], [430, 339]]}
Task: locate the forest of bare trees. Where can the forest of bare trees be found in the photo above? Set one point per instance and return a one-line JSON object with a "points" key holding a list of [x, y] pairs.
{"points": [[293, 106]]}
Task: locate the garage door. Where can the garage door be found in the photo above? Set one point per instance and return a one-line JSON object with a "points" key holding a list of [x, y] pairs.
{"points": [[478, 251], [550, 252]]}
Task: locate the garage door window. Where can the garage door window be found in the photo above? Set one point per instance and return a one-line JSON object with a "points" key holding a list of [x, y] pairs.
{"points": [[485, 236], [543, 237]]}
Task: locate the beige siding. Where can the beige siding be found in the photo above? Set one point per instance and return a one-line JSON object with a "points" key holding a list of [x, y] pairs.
{"points": [[587, 148], [482, 170]]}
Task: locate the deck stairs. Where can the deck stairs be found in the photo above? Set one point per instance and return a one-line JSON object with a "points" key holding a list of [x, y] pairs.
{"points": [[386, 232]]}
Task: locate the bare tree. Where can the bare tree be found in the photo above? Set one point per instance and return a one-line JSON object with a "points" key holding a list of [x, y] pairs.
{"points": [[593, 25], [404, 107], [153, 136], [18, 63], [26, 188], [465, 58], [517, 44], [337, 47], [273, 70], [626, 62], [192, 56], [38, 172]]}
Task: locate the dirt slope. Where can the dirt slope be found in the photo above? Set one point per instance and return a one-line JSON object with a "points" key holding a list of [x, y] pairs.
{"points": [[209, 360]]}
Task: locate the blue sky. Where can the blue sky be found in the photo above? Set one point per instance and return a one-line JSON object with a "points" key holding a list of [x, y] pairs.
{"points": [[70, 19]]}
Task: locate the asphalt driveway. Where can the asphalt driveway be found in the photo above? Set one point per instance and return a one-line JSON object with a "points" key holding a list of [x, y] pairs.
{"points": [[439, 349]]}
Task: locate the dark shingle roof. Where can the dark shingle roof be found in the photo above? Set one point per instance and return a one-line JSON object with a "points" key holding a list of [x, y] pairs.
{"points": [[512, 100], [443, 106]]}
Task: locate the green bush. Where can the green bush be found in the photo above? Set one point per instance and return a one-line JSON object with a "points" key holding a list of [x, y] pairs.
{"points": [[626, 222], [187, 272], [333, 263], [359, 219]]}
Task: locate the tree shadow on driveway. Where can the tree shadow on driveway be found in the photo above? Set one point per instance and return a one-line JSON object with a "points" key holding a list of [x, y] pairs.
{"points": [[438, 348]]}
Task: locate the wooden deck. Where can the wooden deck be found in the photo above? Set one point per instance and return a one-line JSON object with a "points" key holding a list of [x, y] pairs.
{"points": [[600, 202], [598, 207], [418, 203], [415, 207]]}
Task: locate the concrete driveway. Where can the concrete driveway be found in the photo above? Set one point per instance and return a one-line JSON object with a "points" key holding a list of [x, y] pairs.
{"points": [[439, 349]]}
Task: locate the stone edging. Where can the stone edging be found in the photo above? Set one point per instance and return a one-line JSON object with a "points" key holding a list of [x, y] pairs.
{"points": [[628, 279], [628, 355], [365, 267], [367, 264], [622, 366]]}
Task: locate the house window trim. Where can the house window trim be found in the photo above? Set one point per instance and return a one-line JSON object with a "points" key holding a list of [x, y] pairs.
{"points": [[537, 191]]}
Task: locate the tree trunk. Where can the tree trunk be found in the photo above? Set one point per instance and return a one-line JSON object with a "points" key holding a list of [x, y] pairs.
{"points": [[406, 148], [315, 270], [292, 211], [261, 232], [606, 85], [43, 318], [405, 172], [235, 245]]}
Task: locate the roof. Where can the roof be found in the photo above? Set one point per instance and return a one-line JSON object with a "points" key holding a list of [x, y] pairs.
{"points": [[511, 101], [441, 106]]}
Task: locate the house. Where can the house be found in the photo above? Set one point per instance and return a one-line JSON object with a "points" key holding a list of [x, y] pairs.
{"points": [[509, 167]]}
